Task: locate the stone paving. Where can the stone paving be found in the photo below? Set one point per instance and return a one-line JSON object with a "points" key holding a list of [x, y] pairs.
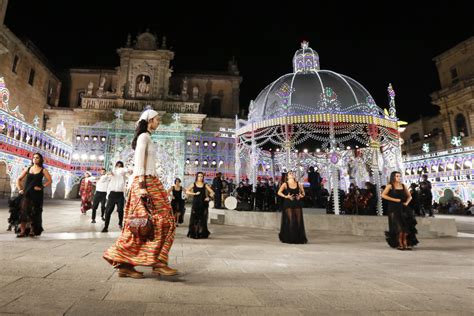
{"points": [[238, 271]]}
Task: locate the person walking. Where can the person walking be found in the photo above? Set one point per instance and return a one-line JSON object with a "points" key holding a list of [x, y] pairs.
{"points": [[130, 250]]}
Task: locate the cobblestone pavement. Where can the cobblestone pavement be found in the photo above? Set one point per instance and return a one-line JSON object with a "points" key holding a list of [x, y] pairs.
{"points": [[238, 271]]}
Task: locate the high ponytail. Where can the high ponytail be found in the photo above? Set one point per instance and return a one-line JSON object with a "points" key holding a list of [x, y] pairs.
{"points": [[142, 127]]}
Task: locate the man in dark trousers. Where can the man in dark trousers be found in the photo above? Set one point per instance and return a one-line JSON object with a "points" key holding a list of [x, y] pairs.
{"points": [[217, 187], [100, 195], [116, 196], [426, 196], [314, 179]]}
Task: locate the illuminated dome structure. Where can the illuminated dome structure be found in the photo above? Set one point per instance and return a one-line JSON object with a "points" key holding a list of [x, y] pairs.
{"points": [[330, 113]]}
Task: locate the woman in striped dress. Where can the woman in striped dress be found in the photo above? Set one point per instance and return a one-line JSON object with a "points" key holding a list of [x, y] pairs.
{"points": [[130, 251]]}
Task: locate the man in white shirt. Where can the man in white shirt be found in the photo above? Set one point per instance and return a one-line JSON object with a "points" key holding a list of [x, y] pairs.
{"points": [[116, 188], [100, 195]]}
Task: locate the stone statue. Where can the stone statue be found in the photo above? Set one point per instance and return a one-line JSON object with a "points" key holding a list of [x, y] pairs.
{"points": [[195, 92], [121, 92], [90, 87], [143, 86], [102, 82], [169, 73], [61, 131], [184, 89]]}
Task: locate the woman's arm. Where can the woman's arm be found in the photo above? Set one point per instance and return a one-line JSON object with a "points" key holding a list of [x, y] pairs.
{"points": [[140, 157], [169, 192], [20, 179], [48, 178], [211, 192], [409, 197], [302, 194], [387, 197], [280, 192], [189, 190]]}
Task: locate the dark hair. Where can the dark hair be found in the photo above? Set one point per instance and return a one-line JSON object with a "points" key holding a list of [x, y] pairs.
{"points": [[119, 162], [197, 174], [392, 177], [283, 177], [142, 127], [103, 169], [41, 159], [177, 179], [311, 169]]}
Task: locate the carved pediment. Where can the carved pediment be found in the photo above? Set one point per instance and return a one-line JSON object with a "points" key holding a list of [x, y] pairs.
{"points": [[146, 41]]}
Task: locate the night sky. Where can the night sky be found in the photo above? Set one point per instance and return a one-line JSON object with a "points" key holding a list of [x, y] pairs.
{"points": [[391, 44]]}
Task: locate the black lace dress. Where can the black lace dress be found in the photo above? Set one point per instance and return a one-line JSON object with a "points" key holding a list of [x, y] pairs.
{"points": [[292, 224], [177, 203], [400, 219], [31, 209], [199, 214]]}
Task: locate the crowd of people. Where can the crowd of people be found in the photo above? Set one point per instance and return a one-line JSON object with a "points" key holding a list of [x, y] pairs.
{"points": [[148, 214]]}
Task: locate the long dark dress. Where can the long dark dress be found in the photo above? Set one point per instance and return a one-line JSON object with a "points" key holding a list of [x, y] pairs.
{"points": [[400, 219], [31, 210], [177, 203], [199, 214], [292, 224]]}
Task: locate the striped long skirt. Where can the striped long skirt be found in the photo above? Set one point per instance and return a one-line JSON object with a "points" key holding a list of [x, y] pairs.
{"points": [[130, 249]]}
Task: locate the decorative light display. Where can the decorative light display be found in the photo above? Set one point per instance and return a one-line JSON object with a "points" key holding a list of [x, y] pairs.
{"points": [[426, 148], [36, 121], [456, 141], [324, 108], [447, 169]]}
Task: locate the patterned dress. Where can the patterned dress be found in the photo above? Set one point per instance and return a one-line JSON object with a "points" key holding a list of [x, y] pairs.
{"points": [[132, 250], [87, 194]]}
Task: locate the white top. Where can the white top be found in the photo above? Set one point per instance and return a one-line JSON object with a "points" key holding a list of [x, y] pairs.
{"points": [[102, 183], [139, 169], [117, 182]]}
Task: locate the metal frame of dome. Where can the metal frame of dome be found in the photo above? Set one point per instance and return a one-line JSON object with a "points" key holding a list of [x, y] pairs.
{"points": [[278, 118]]}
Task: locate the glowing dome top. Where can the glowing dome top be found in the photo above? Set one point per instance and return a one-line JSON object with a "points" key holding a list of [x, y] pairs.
{"points": [[305, 59], [309, 90]]}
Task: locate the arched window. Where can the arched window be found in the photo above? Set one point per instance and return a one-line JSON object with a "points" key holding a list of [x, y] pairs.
{"points": [[461, 126]]}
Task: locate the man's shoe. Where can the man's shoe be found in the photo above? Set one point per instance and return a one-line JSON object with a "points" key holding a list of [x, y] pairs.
{"points": [[104, 230], [93, 221], [102, 218]]}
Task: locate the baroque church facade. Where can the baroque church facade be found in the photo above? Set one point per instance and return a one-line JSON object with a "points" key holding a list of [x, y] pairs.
{"points": [[145, 78]]}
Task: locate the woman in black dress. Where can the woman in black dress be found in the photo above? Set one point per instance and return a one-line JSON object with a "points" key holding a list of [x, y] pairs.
{"points": [[177, 201], [401, 220], [200, 209], [292, 224], [31, 207]]}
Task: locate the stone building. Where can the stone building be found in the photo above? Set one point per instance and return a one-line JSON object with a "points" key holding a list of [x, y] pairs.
{"points": [[442, 146], [145, 77], [70, 118], [32, 82], [455, 101]]}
